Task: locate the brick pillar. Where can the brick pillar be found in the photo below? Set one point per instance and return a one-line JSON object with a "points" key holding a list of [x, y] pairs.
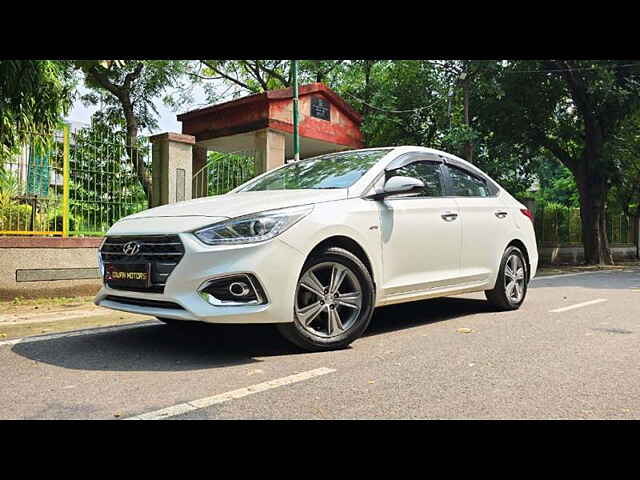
{"points": [[270, 148], [200, 181], [171, 166]]}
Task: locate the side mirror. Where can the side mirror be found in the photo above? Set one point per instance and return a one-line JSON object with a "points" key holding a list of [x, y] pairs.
{"points": [[398, 185], [402, 184]]}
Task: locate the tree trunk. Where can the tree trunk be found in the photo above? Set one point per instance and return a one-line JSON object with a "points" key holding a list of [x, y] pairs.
{"points": [[636, 230], [593, 193], [134, 155], [123, 94]]}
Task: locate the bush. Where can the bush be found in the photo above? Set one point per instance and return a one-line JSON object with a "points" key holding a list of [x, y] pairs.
{"points": [[55, 222], [556, 223], [15, 216]]}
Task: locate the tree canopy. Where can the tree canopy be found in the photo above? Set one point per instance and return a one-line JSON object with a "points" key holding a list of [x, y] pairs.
{"points": [[126, 91], [569, 127], [34, 96]]}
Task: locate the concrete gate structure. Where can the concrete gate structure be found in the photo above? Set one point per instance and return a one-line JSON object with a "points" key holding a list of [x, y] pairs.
{"points": [[262, 123]]}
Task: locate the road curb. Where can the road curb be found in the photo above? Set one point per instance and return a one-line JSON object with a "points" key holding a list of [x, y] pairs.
{"points": [[77, 333]]}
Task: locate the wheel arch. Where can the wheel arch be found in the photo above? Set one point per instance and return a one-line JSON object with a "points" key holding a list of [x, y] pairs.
{"points": [[348, 244]]}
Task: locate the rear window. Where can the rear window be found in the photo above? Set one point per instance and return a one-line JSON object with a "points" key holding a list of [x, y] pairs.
{"points": [[464, 184]]}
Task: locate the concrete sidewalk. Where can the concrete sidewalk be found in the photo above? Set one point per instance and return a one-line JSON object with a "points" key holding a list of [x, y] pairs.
{"points": [[24, 318]]}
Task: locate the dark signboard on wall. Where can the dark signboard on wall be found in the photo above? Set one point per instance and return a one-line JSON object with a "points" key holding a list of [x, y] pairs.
{"points": [[320, 108]]}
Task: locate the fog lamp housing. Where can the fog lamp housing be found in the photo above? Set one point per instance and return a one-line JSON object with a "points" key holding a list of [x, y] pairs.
{"points": [[233, 290]]}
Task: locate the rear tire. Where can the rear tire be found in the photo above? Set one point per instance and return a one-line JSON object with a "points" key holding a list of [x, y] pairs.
{"points": [[511, 285], [333, 302]]}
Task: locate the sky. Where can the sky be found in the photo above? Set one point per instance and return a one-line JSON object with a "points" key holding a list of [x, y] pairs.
{"points": [[167, 122]]}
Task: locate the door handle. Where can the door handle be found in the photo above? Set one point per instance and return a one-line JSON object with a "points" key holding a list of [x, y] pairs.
{"points": [[449, 216], [501, 213]]}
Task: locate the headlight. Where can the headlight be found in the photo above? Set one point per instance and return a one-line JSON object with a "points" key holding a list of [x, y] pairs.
{"points": [[256, 227]]}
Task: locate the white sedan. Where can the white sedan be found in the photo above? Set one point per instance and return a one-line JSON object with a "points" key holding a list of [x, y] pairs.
{"points": [[314, 246]]}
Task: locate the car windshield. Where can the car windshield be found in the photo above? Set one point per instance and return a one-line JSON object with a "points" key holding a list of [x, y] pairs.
{"points": [[337, 170]]}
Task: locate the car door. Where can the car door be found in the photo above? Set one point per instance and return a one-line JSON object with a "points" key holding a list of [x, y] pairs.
{"points": [[420, 233], [484, 222]]}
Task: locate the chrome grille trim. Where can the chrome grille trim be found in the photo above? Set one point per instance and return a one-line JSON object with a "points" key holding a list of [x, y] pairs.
{"points": [[147, 254], [163, 252]]}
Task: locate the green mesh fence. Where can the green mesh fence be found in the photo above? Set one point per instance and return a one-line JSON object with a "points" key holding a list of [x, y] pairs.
{"points": [[562, 226]]}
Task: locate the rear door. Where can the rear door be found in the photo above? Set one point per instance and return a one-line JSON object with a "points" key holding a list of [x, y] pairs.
{"points": [[484, 220]]}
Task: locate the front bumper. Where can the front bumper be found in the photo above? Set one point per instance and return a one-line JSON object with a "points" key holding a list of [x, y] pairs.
{"points": [[274, 264]]}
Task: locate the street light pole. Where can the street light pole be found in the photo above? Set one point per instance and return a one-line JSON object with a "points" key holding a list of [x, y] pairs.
{"points": [[296, 136]]}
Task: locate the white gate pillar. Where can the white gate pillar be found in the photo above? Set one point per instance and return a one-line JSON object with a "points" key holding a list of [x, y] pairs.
{"points": [[171, 167], [270, 148]]}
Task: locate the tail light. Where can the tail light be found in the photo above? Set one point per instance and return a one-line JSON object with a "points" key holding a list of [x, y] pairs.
{"points": [[527, 213]]}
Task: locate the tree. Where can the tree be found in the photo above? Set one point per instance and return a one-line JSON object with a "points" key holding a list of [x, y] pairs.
{"points": [[461, 75], [624, 150], [126, 89], [402, 102], [104, 186], [244, 77], [571, 110], [34, 97]]}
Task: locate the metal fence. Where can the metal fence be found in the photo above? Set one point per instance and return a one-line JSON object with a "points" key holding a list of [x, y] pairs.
{"points": [[32, 187], [562, 226], [104, 185], [223, 172], [72, 183]]}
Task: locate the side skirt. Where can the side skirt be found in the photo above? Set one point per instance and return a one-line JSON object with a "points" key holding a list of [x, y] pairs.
{"points": [[433, 293]]}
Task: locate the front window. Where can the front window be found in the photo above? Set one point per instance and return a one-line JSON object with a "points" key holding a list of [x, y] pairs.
{"points": [[336, 170], [428, 172]]}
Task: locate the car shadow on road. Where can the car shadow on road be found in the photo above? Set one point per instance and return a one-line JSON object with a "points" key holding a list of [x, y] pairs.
{"points": [[156, 347], [416, 314], [189, 347]]}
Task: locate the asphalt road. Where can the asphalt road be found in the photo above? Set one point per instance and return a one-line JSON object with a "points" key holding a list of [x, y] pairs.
{"points": [[571, 352]]}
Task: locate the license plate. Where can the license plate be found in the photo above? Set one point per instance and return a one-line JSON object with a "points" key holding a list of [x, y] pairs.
{"points": [[128, 274]]}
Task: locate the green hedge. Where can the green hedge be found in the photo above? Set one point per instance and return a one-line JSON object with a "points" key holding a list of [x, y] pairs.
{"points": [[15, 217], [559, 224]]}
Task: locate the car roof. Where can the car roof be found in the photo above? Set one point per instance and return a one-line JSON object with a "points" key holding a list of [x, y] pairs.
{"points": [[365, 182], [447, 156]]}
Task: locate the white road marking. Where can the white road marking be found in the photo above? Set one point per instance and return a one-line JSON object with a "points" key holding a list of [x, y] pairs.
{"points": [[578, 305], [563, 275], [228, 396], [77, 333]]}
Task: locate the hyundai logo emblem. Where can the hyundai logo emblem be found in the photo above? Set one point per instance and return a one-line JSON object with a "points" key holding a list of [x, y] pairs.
{"points": [[131, 248]]}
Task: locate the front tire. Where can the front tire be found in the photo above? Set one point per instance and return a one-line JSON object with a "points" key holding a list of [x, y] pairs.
{"points": [[333, 302], [511, 285]]}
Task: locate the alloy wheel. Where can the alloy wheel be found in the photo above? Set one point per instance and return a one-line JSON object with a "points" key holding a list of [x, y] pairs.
{"points": [[514, 278], [328, 299]]}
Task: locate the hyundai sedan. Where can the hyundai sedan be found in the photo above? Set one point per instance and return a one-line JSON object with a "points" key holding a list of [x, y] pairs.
{"points": [[316, 245]]}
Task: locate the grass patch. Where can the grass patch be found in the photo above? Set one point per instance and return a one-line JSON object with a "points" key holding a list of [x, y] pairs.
{"points": [[23, 305]]}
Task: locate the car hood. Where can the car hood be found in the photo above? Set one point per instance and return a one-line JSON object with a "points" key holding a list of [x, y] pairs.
{"points": [[191, 214]]}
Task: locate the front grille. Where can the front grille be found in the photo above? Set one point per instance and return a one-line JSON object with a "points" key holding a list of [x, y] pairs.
{"points": [[163, 252], [143, 302]]}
